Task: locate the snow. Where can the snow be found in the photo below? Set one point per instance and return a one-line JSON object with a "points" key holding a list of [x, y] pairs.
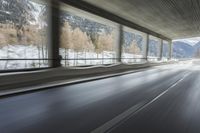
{"points": [[68, 56], [21, 52]]}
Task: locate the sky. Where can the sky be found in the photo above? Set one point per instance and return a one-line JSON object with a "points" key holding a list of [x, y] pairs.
{"points": [[191, 41]]}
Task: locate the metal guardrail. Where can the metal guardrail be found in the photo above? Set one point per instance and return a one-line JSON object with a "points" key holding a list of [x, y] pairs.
{"points": [[74, 59], [69, 59], [24, 59], [62, 59]]}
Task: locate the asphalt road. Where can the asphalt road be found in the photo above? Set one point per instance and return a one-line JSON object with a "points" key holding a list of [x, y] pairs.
{"points": [[159, 100]]}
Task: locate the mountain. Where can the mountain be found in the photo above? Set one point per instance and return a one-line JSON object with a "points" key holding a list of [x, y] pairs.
{"points": [[182, 50], [93, 28]]}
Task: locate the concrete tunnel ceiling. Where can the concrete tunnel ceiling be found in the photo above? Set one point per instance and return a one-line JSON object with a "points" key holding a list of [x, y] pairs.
{"points": [[174, 19]]}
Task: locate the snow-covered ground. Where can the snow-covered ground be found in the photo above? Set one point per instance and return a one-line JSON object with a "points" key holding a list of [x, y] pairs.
{"points": [[86, 58], [68, 56], [22, 52]]}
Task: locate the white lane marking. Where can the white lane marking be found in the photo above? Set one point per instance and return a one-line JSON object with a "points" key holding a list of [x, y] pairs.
{"points": [[118, 118], [133, 110]]}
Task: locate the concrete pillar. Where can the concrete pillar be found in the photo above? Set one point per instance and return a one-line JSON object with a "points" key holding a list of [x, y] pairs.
{"points": [[54, 41], [170, 50], [146, 48], [120, 37], [161, 49]]}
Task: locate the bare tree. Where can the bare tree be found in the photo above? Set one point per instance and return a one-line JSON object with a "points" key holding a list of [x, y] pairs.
{"points": [[18, 12], [81, 42]]}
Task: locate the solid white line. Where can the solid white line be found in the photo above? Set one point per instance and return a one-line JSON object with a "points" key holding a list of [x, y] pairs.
{"points": [[118, 118], [133, 110]]}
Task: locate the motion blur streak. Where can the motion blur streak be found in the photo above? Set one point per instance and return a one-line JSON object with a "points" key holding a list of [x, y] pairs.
{"points": [[90, 105]]}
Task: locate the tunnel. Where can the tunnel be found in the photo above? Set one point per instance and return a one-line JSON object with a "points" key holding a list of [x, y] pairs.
{"points": [[99, 66]]}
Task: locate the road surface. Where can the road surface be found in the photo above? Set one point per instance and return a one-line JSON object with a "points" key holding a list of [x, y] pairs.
{"points": [[162, 99]]}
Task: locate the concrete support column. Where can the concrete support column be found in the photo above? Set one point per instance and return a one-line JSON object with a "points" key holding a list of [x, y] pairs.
{"points": [[54, 41], [161, 49], [120, 37], [146, 48], [170, 50]]}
